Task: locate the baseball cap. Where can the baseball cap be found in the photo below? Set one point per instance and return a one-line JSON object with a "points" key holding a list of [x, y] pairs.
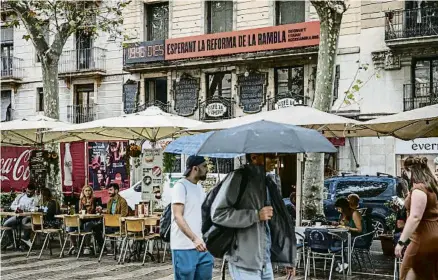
{"points": [[191, 162]]}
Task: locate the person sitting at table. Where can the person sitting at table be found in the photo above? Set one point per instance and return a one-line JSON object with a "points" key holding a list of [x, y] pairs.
{"points": [[350, 218], [117, 205], [51, 208], [23, 202], [88, 202]]}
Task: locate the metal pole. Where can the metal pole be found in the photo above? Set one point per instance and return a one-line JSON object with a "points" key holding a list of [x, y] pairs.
{"points": [[299, 192]]}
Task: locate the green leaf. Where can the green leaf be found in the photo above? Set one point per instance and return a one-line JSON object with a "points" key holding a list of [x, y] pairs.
{"points": [[350, 96], [359, 82], [378, 76], [356, 88], [26, 37]]}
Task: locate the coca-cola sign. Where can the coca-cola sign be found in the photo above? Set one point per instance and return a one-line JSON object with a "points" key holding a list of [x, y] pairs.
{"points": [[14, 165]]}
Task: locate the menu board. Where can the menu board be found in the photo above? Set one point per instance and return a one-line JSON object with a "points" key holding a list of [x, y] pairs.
{"points": [[252, 89], [130, 92], [152, 172], [38, 167], [186, 96]]}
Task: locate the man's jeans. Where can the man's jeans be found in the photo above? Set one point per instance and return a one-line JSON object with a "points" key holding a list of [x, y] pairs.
{"points": [[12, 222], [192, 265], [239, 273]]}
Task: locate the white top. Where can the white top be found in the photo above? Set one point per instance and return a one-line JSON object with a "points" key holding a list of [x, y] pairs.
{"points": [[24, 202], [192, 196]]}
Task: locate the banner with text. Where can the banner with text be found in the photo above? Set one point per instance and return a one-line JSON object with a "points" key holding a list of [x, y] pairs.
{"points": [[251, 40]]}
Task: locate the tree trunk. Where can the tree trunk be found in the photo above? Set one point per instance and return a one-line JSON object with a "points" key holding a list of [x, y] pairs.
{"points": [[51, 88], [330, 20]]}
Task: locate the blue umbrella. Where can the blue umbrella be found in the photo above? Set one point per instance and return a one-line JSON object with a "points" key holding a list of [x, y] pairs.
{"points": [[265, 137], [189, 145]]}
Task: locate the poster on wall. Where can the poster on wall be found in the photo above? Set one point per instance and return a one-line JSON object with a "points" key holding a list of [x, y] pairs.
{"points": [[152, 182], [14, 166], [106, 164]]}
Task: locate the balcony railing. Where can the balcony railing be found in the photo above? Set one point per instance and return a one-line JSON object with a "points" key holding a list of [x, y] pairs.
{"points": [[411, 23], [82, 60], [80, 113], [420, 95], [163, 106], [11, 68]]}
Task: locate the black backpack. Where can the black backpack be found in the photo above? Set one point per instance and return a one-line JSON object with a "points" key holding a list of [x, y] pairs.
{"points": [[166, 221], [218, 238]]}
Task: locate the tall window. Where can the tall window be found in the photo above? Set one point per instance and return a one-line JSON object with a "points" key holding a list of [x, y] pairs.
{"points": [[290, 11], [156, 93], [40, 100], [336, 82], [289, 80], [7, 50], [219, 85], [157, 21], [219, 16]]}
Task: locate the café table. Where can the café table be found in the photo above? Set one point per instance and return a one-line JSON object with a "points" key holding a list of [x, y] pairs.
{"points": [[18, 223], [333, 229], [82, 216]]}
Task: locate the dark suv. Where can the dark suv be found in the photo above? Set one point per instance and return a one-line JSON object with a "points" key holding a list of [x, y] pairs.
{"points": [[373, 191]]}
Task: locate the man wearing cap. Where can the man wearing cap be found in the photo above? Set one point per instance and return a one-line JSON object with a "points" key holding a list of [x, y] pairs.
{"points": [[190, 257]]}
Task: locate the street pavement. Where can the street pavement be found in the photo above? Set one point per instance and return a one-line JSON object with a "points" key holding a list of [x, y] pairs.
{"points": [[15, 265]]}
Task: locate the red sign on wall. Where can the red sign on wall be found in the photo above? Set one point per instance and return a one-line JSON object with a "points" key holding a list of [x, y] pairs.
{"points": [[243, 41], [14, 165]]}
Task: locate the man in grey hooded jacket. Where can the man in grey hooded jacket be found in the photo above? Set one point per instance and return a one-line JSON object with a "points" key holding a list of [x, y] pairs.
{"points": [[265, 232]]}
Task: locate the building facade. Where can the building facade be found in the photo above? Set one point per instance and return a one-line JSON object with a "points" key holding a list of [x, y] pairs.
{"points": [[212, 60]]}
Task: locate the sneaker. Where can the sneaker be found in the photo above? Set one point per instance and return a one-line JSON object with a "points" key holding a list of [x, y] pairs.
{"points": [[343, 267], [27, 242], [71, 251], [87, 251]]}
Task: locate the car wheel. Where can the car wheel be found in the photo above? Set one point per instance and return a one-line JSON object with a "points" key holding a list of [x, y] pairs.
{"points": [[379, 226]]}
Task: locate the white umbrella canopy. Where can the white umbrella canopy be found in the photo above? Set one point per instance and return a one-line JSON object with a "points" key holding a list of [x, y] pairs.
{"points": [[330, 124], [28, 131], [408, 125], [152, 124]]}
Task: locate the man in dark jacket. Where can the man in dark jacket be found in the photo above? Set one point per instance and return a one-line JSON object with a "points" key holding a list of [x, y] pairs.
{"points": [[265, 232]]}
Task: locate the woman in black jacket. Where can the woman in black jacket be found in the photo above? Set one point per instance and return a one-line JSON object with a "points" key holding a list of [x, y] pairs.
{"points": [[51, 209]]}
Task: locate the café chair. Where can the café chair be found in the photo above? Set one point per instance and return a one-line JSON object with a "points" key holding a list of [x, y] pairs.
{"points": [[3, 230], [112, 221], [37, 224], [323, 245], [73, 221]]}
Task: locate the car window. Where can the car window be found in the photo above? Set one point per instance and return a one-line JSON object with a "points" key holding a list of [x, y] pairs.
{"points": [[364, 189], [402, 188], [326, 191]]}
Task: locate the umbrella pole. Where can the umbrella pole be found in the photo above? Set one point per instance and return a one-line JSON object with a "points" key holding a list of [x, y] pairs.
{"points": [[299, 186]]}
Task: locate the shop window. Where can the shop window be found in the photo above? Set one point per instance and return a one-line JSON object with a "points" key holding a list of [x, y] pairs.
{"points": [[40, 100], [157, 21], [156, 92], [219, 85], [222, 165], [289, 80], [287, 12], [219, 16]]}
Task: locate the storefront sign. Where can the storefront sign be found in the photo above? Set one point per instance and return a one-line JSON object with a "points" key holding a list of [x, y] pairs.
{"points": [[144, 52], [14, 166], [186, 96], [419, 146], [130, 92], [251, 40], [286, 102], [152, 183], [252, 89], [215, 110], [38, 166]]}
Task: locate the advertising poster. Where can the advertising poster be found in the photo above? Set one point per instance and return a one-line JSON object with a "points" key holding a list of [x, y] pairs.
{"points": [[152, 183], [106, 164], [14, 166]]}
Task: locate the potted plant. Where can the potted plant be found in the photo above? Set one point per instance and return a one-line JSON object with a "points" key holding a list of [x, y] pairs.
{"points": [[387, 238]]}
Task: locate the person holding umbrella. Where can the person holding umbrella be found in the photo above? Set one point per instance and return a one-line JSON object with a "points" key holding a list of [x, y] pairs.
{"points": [[260, 215]]}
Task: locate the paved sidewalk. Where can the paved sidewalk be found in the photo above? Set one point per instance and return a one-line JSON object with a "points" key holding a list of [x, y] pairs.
{"points": [[15, 265]]}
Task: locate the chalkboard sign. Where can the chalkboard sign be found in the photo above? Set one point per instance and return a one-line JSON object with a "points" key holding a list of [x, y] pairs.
{"points": [[130, 92], [252, 91], [186, 96], [38, 167]]}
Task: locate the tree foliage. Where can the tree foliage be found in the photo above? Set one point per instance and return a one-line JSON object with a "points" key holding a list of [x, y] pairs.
{"points": [[60, 19]]}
